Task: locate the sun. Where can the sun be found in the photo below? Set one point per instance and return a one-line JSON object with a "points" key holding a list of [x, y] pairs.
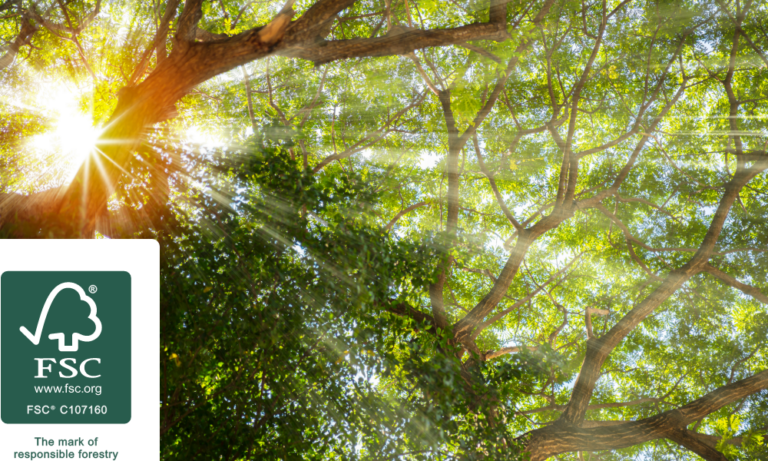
{"points": [[76, 135], [72, 136]]}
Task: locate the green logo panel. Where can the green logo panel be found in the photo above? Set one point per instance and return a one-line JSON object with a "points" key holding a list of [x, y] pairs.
{"points": [[65, 347]]}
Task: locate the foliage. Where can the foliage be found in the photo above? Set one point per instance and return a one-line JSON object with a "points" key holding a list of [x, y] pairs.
{"points": [[316, 219], [269, 314]]}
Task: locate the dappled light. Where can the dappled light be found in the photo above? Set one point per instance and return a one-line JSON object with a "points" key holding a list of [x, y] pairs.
{"points": [[419, 230]]}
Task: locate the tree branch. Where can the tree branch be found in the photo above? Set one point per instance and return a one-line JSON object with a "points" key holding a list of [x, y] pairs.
{"points": [[561, 438], [730, 281], [406, 310], [22, 38], [483, 325], [370, 137], [160, 37], [70, 28], [307, 27], [401, 42], [503, 351], [187, 25], [404, 212], [599, 349], [686, 438], [595, 406]]}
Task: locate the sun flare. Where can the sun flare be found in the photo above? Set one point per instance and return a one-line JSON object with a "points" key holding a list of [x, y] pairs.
{"points": [[77, 135], [72, 137]]}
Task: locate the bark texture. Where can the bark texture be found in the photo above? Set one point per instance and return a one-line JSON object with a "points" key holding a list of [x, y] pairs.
{"points": [[561, 438]]}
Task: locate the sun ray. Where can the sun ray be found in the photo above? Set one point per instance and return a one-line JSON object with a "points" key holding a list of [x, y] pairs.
{"points": [[71, 137]]}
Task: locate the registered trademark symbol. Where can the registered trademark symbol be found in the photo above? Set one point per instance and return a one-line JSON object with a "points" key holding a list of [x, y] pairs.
{"points": [[92, 289]]}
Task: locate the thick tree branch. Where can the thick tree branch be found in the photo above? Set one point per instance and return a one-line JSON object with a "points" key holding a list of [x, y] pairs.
{"points": [[731, 281], [475, 317], [187, 25], [202, 35], [452, 197], [688, 439], [388, 45], [275, 30], [503, 351], [562, 438], [153, 101], [309, 25], [588, 313], [406, 310], [400, 43]]}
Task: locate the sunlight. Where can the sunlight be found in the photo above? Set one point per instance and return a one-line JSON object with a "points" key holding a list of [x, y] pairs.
{"points": [[204, 138], [73, 137]]}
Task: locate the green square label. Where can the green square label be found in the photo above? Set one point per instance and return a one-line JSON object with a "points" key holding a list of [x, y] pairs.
{"points": [[65, 347]]}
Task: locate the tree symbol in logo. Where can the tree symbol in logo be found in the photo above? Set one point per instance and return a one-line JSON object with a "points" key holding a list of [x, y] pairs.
{"points": [[76, 337]]}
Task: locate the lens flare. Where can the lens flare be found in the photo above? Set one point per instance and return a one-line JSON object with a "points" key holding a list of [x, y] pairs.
{"points": [[72, 137]]}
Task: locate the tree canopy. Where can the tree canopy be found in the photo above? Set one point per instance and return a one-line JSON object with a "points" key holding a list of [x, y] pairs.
{"points": [[418, 229]]}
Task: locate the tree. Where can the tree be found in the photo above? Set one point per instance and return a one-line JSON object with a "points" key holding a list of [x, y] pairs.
{"points": [[580, 272], [192, 62]]}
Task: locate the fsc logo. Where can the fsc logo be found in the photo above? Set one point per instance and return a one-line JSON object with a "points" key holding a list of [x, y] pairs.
{"points": [[35, 338], [65, 347]]}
